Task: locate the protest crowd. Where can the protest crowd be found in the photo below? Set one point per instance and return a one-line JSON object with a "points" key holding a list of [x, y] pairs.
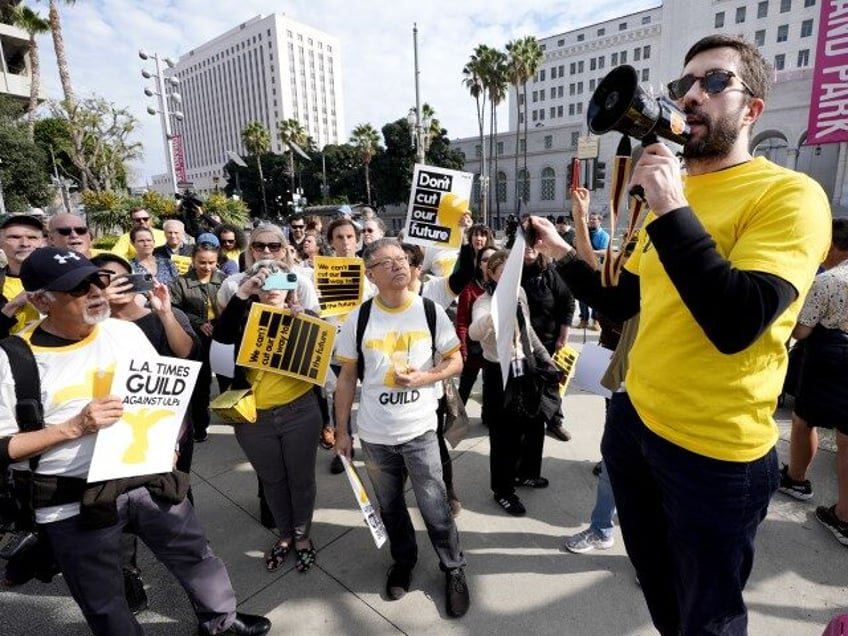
{"points": [[329, 345]]}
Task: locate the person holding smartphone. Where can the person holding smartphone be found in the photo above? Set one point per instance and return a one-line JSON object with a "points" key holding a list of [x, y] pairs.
{"points": [[280, 445]]}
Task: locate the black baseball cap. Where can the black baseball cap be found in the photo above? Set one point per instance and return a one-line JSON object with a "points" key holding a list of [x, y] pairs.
{"points": [[22, 219], [55, 269]]}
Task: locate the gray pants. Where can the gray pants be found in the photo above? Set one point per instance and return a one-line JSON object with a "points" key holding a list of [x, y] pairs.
{"points": [[91, 563], [282, 446]]}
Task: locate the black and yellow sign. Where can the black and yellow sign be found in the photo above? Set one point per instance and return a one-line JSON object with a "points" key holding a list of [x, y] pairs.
{"points": [[182, 263], [437, 202], [565, 358], [340, 283], [277, 341]]}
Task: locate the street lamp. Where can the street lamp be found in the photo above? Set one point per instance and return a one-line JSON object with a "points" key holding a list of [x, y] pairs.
{"points": [[419, 126], [161, 82]]}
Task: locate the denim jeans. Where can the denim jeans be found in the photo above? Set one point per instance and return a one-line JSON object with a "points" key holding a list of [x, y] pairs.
{"points": [[604, 509], [387, 468], [689, 523]]}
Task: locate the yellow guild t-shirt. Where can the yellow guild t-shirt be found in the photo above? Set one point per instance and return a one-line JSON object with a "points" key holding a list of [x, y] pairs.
{"points": [[763, 218], [12, 286]]}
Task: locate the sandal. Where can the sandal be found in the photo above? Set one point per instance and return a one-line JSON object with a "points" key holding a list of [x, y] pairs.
{"points": [[277, 556], [305, 557]]}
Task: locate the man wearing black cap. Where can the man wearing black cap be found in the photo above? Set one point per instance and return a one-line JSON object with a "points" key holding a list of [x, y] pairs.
{"points": [[76, 347], [20, 235]]}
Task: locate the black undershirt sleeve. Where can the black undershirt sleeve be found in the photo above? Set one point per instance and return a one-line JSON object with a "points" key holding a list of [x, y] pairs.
{"points": [[616, 303], [733, 307]]}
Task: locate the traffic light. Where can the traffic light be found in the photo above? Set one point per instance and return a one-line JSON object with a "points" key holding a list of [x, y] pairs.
{"points": [[599, 175]]}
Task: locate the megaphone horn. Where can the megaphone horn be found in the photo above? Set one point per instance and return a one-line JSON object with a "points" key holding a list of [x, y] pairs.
{"points": [[619, 103]]}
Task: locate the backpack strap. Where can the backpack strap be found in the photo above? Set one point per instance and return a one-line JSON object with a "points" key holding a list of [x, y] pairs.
{"points": [[361, 323], [430, 314], [29, 412]]}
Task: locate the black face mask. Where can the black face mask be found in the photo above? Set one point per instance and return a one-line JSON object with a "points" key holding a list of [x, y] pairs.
{"points": [[490, 286]]}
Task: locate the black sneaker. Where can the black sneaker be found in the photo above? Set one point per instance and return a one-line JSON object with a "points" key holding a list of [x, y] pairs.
{"points": [[532, 482], [802, 490], [397, 582], [134, 590], [512, 504], [827, 517], [558, 431], [457, 600], [245, 625]]}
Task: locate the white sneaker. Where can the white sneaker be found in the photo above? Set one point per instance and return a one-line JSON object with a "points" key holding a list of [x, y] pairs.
{"points": [[587, 541]]}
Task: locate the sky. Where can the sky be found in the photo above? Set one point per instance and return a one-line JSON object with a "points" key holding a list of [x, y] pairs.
{"points": [[102, 39]]}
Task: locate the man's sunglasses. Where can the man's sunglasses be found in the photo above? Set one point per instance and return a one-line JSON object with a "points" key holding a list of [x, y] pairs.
{"points": [[297, 227], [271, 247], [139, 219], [228, 241], [712, 83], [66, 231], [100, 280]]}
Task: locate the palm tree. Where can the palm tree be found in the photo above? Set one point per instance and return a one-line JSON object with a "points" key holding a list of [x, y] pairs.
{"points": [[291, 131], [59, 47], [473, 73], [366, 139], [525, 57], [33, 24], [494, 80], [256, 140]]}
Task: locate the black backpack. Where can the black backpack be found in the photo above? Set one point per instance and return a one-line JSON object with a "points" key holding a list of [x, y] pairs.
{"points": [[362, 322]]}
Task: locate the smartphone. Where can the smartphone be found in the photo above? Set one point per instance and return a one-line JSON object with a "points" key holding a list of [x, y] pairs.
{"points": [[280, 280], [140, 282]]}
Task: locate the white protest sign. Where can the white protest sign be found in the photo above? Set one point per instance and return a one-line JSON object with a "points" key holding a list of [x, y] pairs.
{"points": [[591, 366], [372, 519], [156, 393], [504, 302], [437, 202]]}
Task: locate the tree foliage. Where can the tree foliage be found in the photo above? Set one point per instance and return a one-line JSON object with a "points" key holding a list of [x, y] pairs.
{"points": [[25, 181]]}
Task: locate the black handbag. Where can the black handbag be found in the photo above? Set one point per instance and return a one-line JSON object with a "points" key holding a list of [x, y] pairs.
{"points": [[535, 393]]}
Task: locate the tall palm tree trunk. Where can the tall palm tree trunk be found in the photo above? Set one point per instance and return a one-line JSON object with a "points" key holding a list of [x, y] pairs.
{"points": [[367, 184], [497, 171], [35, 84], [262, 185], [526, 176], [517, 141], [61, 58]]}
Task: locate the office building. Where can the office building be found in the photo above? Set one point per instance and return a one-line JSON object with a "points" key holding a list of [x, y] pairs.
{"points": [[15, 77]]}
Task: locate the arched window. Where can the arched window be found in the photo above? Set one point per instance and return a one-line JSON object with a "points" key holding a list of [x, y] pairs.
{"points": [[548, 184], [501, 187], [522, 186]]}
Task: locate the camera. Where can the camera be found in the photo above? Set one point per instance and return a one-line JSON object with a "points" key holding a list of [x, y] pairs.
{"points": [[140, 282], [280, 280]]}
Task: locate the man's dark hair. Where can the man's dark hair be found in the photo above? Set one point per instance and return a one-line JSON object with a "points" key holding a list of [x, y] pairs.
{"points": [[241, 241], [840, 234], [754, 70], [297, 216], [414, 254], [338, 223]]}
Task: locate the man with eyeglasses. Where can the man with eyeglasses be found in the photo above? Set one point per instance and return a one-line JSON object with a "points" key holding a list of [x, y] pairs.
{"points": [[69, 231], [20, 236], [75, 344], [140, 219], [397, 417], [720, 273]]}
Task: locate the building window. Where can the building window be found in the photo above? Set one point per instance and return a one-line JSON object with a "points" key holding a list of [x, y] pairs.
{"points": [[542, 95], [646, 19], [535, 115], [623, 57], [581, 37], [646, 52], [560, 42], [601, 62], [535, 96], [602, 32], [740, 15], [592, 84], [571, 110], [478, 150], [572, 68], [553, 72], [500, 148], [562, 70], [542, 75], [541, 114], [646, 74], [785, 6], [548, 184], [580, 66], [575, 137], [549, 141], [760, 37], [522, 186], [560, 111], [572, 88], [553, 92], [560, 90], [637, 54], [809, 3], [762, 9], [719, 20], [579, 88], [622, 26], [783, 33], [579, 108], [521, 99], [806, 28], [593, 64], [614, 59], [552, 114], [803, 58], [500, 187], [779, 62]]}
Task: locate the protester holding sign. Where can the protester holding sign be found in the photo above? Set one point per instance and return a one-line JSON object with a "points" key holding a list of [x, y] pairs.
{"points": [[281, 444]]}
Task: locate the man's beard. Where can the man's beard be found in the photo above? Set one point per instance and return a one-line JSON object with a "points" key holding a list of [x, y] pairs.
{"points": [[98, 315], [719, 136]]}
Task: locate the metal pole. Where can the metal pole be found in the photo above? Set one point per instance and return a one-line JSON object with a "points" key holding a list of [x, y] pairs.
{"points": [[419, 130], [166, 124]]}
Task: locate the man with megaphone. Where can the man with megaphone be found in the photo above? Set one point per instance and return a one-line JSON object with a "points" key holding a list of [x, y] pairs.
{"points": [[720, 272]]}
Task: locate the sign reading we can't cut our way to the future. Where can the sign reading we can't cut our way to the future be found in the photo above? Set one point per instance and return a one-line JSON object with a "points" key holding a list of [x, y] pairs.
{"points": [[437, 202]]}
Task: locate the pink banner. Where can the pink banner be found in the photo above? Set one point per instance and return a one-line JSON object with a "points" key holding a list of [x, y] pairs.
{"points": [[828, 121], [179, 158]]}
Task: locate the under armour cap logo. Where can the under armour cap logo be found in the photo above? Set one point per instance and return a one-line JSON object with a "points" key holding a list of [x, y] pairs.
{"points": [[64, 259]]}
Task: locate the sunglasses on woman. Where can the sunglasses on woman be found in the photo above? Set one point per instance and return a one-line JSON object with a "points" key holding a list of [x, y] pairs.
{"points": [[66, 231], [271, 247], [712, 83]]}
